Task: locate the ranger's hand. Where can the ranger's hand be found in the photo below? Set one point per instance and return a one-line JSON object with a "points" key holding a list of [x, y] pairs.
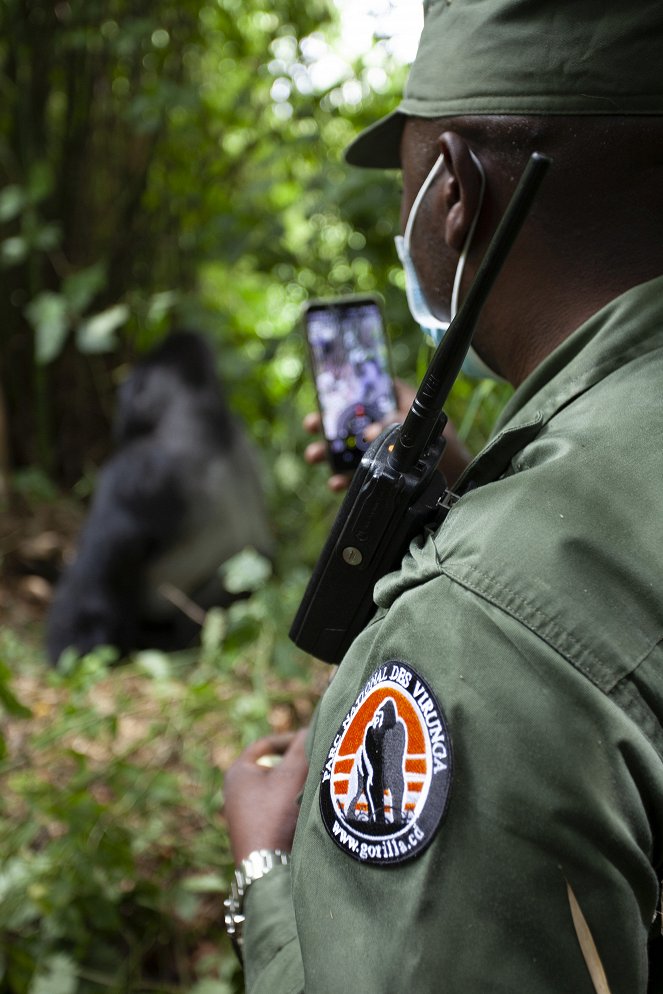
{"points": [[261, 791], [316, 452], [454, 458]]}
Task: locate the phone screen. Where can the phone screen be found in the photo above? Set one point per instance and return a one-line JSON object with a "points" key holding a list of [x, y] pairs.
{"points": [[351, 370]]}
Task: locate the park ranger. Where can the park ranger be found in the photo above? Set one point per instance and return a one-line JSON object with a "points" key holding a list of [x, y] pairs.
{"points": [[488, 761]]}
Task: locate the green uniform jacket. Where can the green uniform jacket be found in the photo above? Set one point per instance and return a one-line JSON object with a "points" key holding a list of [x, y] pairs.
{"points": [[535, 617]]}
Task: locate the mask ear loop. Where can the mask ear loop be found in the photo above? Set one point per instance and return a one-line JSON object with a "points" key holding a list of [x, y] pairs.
{"points": [[460, 268], [474, 366], [407, 234], [417, 200]]}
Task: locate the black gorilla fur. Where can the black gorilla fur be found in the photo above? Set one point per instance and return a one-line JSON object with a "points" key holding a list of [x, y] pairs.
{"points": [[179, 497]]}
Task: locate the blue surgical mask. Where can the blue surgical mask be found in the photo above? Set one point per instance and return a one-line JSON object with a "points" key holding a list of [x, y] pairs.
{"points": [[431, 325]]}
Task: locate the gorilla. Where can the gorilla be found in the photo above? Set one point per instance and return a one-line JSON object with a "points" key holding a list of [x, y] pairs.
{"points": [[180, 496]]}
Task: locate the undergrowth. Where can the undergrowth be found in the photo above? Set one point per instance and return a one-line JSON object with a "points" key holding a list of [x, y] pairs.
{"points": [[113, 856]]}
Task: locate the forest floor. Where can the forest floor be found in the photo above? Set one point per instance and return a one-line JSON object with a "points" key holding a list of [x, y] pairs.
{"points": [[35, 543], [117, 773]]}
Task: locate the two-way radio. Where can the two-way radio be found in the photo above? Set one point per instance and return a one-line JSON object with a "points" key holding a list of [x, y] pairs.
{"points": [[397, 490]]}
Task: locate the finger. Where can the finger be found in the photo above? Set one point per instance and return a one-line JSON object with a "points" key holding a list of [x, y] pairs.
{"points": [[371, 432], [296, 751], [286, 751], [338, 482], [294, 756], [312, 422], [405, 394], [315, 452], [269, 745], [294, 763]]}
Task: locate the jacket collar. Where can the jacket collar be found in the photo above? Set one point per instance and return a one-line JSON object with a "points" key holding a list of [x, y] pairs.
{"points": [[628, 327]]}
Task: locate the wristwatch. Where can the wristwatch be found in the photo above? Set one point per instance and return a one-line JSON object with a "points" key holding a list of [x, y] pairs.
{"points": [[256, 865]]}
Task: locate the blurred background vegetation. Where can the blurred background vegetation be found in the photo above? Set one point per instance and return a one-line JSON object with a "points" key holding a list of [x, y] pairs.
{"points": [[164, 165]]}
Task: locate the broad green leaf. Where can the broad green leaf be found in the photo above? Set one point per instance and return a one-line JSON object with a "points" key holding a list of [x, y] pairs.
{"points": [[209, 986], [47, 237], [160, 305], [13, 250], [40, 182], [205, 883], [57, 976], [9, 702], [154, 664], [97, 333], [187, 906], [12, 201], [17, 907], [34, 485], [214, 629], [248, 570], [80, 288], [47, 314]]}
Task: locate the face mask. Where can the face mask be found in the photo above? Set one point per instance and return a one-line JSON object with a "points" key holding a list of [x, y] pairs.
{"points": [[430, 324]]}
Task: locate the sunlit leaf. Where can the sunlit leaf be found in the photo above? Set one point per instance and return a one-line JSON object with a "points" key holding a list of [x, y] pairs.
{"points": [[160, 305], [14, 250], [154, 664], [12, 201], [248, 570], [16, 906], [97, 334], [47, 314], [205, 883], [214, 629], [57, 976], [209, 986]]}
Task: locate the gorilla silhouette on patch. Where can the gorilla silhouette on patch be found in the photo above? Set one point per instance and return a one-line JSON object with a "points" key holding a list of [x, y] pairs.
{"points": [[380, 766]]}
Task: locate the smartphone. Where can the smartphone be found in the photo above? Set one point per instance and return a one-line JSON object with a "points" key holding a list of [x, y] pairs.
{"points": [[352, 372]]}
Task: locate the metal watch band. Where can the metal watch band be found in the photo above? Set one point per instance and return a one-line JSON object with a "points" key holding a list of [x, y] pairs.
{"points": [[256, 865]]}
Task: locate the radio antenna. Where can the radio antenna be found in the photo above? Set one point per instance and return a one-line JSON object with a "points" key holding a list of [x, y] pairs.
{"points": [[445, 365]]}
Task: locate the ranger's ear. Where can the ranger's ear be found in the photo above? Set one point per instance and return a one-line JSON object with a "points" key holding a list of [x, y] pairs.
{"points": [[459, 193]]}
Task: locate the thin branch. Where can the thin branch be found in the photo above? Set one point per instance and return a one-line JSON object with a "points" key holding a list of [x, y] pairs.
{"points": [[587, 945], [180, 600]]}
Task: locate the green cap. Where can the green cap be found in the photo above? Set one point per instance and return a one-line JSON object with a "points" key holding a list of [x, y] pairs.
{"points": [[526, 57]]}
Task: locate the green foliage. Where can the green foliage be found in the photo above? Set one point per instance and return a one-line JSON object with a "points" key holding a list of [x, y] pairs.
{"points": [[34, 485], [181, 164], [114, 859], [8, 702], [169, 163]]}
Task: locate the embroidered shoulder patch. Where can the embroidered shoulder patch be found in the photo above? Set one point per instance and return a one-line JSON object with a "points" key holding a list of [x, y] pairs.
{"points": [[387, 778]]}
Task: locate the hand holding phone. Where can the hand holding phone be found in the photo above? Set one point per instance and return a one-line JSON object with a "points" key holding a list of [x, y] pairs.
{"points": [[352, 375], [455, 458], [317, 451]]}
